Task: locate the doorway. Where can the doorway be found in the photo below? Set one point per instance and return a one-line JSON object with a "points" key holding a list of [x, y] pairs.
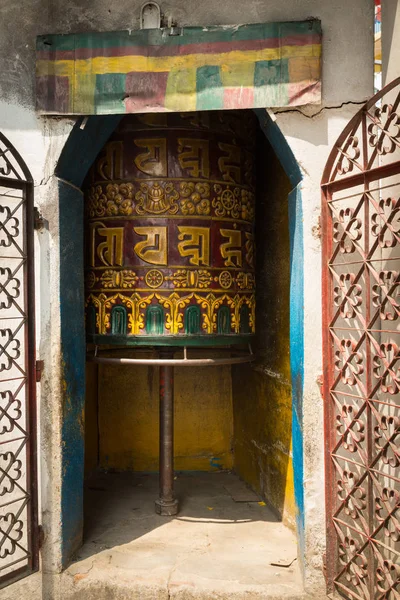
{"points": [[233, 449], [264, 463]]}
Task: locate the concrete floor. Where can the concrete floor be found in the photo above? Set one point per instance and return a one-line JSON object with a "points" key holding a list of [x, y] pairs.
{"points": [[216, 548]]}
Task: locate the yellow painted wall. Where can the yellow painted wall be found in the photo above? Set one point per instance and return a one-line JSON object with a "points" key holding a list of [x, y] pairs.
{"points": [[91, 428], [249, 412], [128, 418], [262, 392]]}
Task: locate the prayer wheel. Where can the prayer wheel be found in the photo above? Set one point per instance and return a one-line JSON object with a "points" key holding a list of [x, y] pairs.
{"points": [[169, 207]]}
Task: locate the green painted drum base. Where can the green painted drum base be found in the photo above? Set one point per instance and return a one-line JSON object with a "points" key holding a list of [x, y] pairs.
{"points": [[170, 340]]}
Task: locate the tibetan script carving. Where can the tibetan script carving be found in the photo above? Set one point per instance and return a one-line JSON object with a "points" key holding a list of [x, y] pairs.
{"points": [[154, 160], [193, 155], [195, 244], [229, 165], [231, 251], [153, 249], [110, 252]]}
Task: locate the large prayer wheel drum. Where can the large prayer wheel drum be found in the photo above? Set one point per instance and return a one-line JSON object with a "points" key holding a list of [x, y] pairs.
{"points": [[170, 231]]}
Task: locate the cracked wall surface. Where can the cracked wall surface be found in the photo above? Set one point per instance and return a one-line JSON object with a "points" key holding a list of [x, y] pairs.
{"points": [[346, 41]]}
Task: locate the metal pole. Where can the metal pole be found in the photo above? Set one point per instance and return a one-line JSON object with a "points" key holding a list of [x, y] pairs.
{"points": [[166, 505]]}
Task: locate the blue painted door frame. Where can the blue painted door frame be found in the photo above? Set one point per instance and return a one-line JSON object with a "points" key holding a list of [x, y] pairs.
{"points": [[292, 170], [84, 143]]}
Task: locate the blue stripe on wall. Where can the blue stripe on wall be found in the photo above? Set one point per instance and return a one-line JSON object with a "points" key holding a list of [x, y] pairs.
{"points": [[297, 350], [292, 169], [73, 351], [83, 145]]}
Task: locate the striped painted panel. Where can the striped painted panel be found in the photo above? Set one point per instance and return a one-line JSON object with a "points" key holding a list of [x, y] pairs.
{"points": [[204, 68]]}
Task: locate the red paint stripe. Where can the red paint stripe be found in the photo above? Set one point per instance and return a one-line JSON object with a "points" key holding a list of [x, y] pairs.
{"points": [[202, 48], [238, 97]]}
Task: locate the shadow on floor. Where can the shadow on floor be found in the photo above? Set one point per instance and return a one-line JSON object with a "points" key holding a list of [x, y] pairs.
{"points": [[215, 547], [119, 509]]}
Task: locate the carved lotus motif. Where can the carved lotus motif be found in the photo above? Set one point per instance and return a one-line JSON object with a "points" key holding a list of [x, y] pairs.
{"points": [[157, 199]]}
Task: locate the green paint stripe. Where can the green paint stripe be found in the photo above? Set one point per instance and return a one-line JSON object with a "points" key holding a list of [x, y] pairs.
{"points": [[210, 90], [271, 79], [157, 37], [109, 93]]}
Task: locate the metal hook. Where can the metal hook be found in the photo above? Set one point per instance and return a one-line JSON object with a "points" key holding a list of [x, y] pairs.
{"points": [[150, 16]]}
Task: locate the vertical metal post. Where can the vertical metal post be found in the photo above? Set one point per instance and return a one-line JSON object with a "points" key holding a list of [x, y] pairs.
{"points": [[166, 505]]}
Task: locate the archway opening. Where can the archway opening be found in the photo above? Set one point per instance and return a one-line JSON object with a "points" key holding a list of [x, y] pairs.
{"points": [[233, 442]]}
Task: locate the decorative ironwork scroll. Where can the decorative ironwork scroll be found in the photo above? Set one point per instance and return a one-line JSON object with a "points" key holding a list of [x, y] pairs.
{"points": [[361, 303], [18, 504], [169, 236]]}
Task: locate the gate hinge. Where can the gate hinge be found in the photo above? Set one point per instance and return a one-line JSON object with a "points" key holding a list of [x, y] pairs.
{"points": [[39, 369], [38, 220], [41, 536]]}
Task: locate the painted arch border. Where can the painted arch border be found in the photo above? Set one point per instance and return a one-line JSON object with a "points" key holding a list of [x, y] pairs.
{"points": [[85, 141]]}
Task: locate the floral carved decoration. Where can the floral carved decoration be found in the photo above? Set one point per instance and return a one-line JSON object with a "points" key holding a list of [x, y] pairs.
{"points": [[10, 411], [384, 131], [347, 230], [9, 227], [348, 295], [227, 202], [11, 530], [386, 434], [114, 200], [9, 288], [10, 472], [385, 295], [386, 223], [195, 198], [349, 362], [349, 156], [386, 368]]}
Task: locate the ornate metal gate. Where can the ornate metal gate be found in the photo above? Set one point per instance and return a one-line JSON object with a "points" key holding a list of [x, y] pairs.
{"points": [[18, 494], [361, 293]]}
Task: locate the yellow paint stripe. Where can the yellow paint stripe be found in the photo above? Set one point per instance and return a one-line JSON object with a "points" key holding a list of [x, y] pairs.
{"points": [[181, 90], [84, 101], [101, 65], [237, 75]]}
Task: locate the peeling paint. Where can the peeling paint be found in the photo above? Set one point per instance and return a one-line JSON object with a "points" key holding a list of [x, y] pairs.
{"points": [[278, 445], [270, 373]]}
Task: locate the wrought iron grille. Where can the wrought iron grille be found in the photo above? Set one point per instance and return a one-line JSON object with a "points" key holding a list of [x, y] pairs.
{"points": [[18, 509], [361, 293]]}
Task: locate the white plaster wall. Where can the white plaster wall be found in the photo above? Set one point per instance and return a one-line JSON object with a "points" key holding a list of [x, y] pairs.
{"points": [[390, 40], [311, 139], [347, 82], [40, 141]]}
